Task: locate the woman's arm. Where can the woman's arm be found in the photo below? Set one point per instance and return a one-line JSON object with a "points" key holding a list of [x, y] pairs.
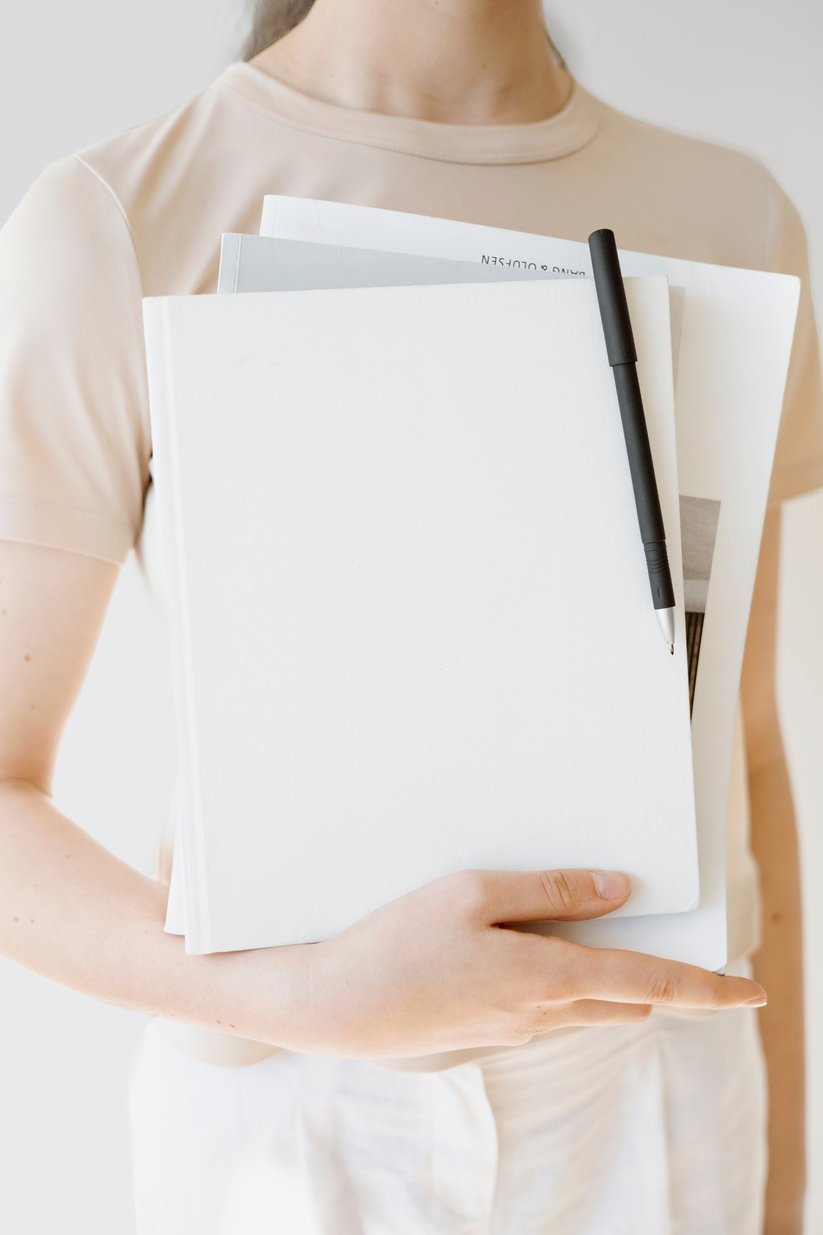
{"points": [[778, 962], [70, 909]]}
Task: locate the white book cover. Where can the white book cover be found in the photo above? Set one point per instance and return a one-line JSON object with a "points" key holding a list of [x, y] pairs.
{"points": [[735, 343], [414, 624], [264, 263]]}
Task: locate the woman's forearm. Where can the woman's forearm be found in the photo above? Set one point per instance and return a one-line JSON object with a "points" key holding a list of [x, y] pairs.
{"points": [[75, 913], [778, 966]]}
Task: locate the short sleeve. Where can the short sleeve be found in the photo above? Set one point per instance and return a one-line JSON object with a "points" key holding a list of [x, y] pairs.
{"points": [[74, 428], [798, 460]]}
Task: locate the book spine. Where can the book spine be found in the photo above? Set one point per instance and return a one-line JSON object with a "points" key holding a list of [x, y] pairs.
{"points": [[167, 473], [229, 270]]}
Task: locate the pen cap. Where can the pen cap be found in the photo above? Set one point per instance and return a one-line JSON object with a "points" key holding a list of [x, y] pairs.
{"points": [[611, 296]]}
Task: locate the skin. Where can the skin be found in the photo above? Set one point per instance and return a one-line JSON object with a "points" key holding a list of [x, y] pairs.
{"points": [[456, 61], [434, 970]]}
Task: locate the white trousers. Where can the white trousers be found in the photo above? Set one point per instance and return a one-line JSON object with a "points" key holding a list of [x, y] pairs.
{"points": [[657, 1128]]}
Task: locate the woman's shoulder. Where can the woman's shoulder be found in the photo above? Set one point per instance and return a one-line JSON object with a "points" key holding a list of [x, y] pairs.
{"points": [[159, 186], [145, 153], [719, 203], [679, 151]]}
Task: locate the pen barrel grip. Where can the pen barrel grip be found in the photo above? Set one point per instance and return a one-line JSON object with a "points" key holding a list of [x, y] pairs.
{"points": [[660, 579], [639, 453], [611, 297]]}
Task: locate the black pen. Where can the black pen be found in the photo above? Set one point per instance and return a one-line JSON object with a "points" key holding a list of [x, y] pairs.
{"points": [[617, 329]]}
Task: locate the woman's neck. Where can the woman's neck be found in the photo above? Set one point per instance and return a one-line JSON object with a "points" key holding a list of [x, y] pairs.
{"points": [[452, 61]]}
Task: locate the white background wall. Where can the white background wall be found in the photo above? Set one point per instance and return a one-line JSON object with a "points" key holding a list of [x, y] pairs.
{"points": [[745, 73]]}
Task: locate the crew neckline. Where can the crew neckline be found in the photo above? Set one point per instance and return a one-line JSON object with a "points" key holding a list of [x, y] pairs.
{"points": [[568, 130]]}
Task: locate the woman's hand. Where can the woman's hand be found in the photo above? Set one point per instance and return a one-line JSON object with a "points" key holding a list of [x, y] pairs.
{"points": [[435, 970]]}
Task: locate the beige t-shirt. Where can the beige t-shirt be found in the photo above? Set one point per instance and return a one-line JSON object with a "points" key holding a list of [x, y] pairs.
{"points": [[141, 213]]}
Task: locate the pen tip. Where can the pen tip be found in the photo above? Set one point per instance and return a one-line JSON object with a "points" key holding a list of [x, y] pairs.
{"points": [[671, 648]]}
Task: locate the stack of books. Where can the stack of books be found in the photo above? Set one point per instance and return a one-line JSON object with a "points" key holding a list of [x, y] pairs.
{"points": [[410, 623]]}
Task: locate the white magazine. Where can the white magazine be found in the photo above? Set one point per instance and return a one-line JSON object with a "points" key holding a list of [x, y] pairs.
{"points": [[453, 677]]}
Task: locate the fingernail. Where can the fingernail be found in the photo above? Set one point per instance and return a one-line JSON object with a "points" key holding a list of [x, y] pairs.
{"points": [[757, 1002], [611, 885]]}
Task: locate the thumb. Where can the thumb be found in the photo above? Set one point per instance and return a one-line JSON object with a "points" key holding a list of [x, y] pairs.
{"points": [[570, 894]]}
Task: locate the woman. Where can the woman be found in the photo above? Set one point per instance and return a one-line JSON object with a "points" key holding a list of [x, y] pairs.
{"points": [[425, 1069]]}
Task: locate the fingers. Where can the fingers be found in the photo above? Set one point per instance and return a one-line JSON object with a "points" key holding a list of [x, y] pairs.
{"points": [[634, 977], [594, 1012], [529, 896]]}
